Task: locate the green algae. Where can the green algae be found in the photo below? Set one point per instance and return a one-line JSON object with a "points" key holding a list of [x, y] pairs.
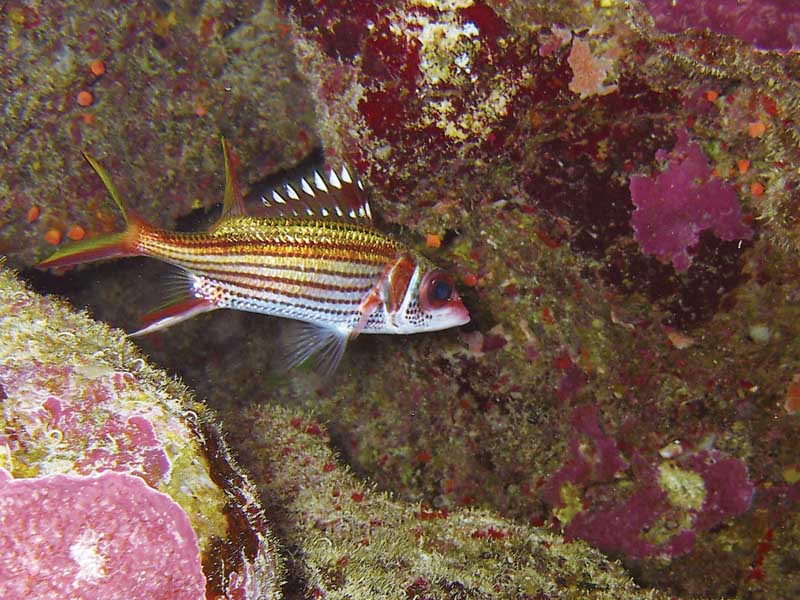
{"points": [[351, 541], [177, 78], [685, 489], [572, 503]]}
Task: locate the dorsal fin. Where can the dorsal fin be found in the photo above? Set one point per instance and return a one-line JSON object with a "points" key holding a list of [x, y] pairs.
{"points": [[232, 202], [317, 196]]}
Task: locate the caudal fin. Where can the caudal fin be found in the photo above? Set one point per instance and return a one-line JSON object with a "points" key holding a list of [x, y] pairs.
{"points": [[113, 245]]}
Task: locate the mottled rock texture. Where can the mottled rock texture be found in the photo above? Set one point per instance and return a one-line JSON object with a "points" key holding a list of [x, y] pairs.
{"points": [[175, 77], [513, 131], [114, 482], [348, 540]]}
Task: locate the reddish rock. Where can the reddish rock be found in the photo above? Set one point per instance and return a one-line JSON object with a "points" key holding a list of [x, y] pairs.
{"points": [[105, 536]]}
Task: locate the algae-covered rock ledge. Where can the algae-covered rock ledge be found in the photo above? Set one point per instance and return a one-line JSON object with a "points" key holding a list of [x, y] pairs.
{"points": [[128, 490], [114, 482]]}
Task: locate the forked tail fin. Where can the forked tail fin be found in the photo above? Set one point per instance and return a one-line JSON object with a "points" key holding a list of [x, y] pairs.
{"points": [[112, 245]]}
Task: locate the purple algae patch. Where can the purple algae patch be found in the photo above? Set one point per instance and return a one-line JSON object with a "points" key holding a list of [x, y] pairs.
{"points": [[673, 207], [105, 536], [619, 528], [728, 488], [621, 518], [599, 461], [764, 24]]}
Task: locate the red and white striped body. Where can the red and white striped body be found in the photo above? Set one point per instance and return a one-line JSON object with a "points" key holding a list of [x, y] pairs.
{"points": [[314, 271]]}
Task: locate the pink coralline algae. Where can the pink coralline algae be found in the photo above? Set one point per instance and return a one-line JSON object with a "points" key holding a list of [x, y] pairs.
{"points": [[665, 509], [94, 431], [108, 536], [600, 464], [765, 24], [673, 207], [114, 482]]}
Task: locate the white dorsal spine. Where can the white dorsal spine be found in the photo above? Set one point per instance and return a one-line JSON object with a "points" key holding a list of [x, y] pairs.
{"points": [[304, 185], [336, 181], [333, 179], [319, 182]]}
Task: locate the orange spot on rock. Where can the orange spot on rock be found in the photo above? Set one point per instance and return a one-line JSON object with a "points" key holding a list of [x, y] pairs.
{"points": [[53, 237], [757, 189], [712, 95], [423, 457], [792, 402], [770, 106], [562, 361], [470, 280], [98, 67], [85, 98], [200, 110], [33, 213], [433, 240], [76, 232], [743, 165], [756, 129]]}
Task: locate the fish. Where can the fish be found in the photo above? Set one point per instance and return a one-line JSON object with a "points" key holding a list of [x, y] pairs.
{"points": [[313, 257]]}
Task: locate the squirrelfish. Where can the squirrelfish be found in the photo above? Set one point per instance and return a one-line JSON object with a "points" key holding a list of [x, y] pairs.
{"points": [[315, 258]]}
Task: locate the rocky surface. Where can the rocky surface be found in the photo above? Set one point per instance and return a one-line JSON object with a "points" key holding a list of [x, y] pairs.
{"points": [[148, 89], [617, 196], [114, 481]]}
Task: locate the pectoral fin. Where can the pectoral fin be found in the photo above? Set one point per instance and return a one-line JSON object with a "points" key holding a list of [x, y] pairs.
{"points": [[301, 341]]}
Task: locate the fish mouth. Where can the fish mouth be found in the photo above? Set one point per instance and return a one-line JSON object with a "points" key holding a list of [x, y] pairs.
{"points": [[458, 315], [452, 316]]}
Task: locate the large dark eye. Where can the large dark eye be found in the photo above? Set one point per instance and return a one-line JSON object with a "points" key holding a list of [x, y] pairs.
{"points": [[440, 291], [436, 290]]}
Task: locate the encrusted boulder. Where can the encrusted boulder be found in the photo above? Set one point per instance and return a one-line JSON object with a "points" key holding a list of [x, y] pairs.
{"points": [[114, 481]]}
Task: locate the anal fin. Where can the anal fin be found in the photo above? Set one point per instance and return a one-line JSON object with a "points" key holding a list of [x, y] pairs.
{"points": [[301, 341], [172, 313]]}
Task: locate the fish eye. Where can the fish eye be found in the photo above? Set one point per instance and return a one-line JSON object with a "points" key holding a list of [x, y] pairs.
{"points": [[437, 290], [440, 290]]}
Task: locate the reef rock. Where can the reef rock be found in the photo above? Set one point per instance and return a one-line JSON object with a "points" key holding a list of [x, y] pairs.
{"points": [[147, 88], [350, 541], [114, 482]]}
